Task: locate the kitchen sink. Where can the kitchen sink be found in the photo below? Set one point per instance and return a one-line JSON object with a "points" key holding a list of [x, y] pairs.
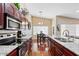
{"points": [[63, 40]]}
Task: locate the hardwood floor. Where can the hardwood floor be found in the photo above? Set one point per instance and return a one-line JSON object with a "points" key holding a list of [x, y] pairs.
{"points": [[39, 49], [47, 47]]}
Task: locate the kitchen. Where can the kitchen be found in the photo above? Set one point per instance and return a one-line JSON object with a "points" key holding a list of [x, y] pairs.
{"points": [[12, 21], [21, 24]]}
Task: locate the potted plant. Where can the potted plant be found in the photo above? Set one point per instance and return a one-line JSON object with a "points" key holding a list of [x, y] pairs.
{"points": [[17, 5]]}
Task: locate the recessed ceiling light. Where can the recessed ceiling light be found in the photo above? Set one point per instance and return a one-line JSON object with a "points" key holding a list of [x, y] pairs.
{"points": [[77, 11], [40, 11]]}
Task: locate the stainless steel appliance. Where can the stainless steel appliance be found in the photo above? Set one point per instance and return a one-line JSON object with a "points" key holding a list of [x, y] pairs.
{"points": [[7, 39], [11, 22]]}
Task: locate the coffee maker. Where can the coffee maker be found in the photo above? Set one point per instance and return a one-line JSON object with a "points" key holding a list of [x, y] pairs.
{"points": [[19, 37]]}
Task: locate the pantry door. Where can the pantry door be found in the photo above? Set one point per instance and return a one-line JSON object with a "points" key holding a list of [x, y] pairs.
{"points": [[37, 29]]}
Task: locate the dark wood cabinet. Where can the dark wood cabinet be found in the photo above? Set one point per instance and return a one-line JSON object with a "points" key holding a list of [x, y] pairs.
{"points": [[58, 52], [1, 20], [57, 49], [1, 15], [13, 53], [17, 15], [25, 48], [67, 52], [9, 8], [51, 50], [1, 7]]}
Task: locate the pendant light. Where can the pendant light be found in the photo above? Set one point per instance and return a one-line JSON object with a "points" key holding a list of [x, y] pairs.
{"points": [[41, 17]]}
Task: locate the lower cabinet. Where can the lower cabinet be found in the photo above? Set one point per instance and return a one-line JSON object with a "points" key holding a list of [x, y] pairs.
{"points": [[57, 49], [58, 52], [25, 48], [22, 49], [13, 53], [52, 50], [67, 52]]}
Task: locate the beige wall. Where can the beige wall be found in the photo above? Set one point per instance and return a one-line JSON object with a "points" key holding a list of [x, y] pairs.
{"points": [[65, 20], [46, 22]]}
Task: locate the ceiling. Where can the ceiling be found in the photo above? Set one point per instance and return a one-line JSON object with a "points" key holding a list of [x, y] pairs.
{"points": [[50, 10]]}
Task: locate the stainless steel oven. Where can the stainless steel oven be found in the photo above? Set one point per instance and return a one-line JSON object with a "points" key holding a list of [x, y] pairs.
{"points": [[8, 39], [11, 22]]}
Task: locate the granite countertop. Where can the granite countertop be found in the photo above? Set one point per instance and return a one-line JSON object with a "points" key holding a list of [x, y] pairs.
{"points": [[72, 46], [4, 50]]}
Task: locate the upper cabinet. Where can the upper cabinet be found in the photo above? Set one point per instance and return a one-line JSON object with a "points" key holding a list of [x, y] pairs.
{"points": [[12, 10], [1, 8], [1, 15], [9, 8]]}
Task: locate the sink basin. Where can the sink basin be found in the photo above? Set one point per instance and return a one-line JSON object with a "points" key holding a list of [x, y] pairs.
{"points": [[63, 40]]}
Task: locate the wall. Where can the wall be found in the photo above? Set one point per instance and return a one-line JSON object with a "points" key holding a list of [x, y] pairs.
{"points": [[46, 22], [54, 26], [27, 32], [70, 27], [65, 20]]}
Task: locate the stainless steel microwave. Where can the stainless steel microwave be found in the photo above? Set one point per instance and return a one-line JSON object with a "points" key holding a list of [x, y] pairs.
{"points": [[11, 23]]}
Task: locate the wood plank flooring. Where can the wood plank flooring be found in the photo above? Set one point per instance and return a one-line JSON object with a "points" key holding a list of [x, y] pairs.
{"points": [[39, 50]]}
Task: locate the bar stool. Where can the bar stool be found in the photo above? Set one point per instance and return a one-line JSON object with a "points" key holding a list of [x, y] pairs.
{"points": [[46, 39], [41, 38], [38, 38]]}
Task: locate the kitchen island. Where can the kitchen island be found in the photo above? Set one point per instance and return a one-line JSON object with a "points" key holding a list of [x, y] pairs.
{"points": [[71, 48]]}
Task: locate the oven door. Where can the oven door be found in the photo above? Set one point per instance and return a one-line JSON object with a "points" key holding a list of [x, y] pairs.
{"points": [[12, 23], [8, 41]]}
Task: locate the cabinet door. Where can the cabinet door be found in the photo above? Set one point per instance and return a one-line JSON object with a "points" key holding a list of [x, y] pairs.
{"points": [[1, 20], [17, 15], [23, 49], [9, 8], [58, 52], [1, 7], [22, 18], [1, 15], [51, 48], [67, 52], [16, 12], [13, 53]]}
